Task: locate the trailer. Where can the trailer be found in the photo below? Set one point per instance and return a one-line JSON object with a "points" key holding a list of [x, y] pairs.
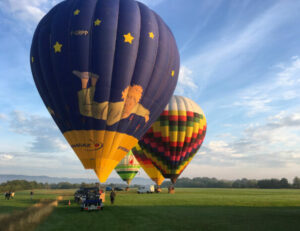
{"points": [[91, 199]]}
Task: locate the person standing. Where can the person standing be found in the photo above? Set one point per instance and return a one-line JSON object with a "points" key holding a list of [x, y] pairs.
{"points": [[112, 196], [7, 195], [31, 194]]}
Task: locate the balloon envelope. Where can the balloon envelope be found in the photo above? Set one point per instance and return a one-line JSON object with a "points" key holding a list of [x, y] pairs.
{"points": [[105, 70], [175, 137], [128, 167], [147, 164]]}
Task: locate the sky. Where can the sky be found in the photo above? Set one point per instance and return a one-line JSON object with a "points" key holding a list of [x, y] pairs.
{"points": [[240, 61]]}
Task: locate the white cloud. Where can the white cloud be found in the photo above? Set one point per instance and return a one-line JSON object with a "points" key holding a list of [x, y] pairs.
{"points": [[254, 103], [29, 12], [202, 153], [283, 119], [242, 170], [281, 130], [207, 12], [237, 155], [47, 137], [49, 164], [290, 74], [186, 84], [226, 53], [219, 146], [272, 144], [6, 157], [2, 116], [281, 86], [47, 143]]}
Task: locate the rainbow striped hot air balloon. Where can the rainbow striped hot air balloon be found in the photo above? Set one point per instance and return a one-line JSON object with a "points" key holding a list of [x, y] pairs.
{"points": [[174, 139], [105, 70], [147, 164], [128, 167]]}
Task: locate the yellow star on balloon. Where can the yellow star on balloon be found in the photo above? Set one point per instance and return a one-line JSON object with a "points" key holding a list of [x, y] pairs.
{"points": [[57, 47], [32, 59], [151, 35], [76, 12], [128, 38], [172, 73], [97, 22]]}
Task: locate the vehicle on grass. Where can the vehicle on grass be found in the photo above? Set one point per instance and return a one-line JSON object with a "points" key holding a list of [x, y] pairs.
{"points": [[146, 189], [118, 189], [90, 200], [108, 188], [78, 195]]}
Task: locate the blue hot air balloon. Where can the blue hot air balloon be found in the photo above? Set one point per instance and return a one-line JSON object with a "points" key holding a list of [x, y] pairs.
{"points": [[105, 70]]}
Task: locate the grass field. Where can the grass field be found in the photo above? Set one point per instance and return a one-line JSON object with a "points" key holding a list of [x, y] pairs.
{"points": [[187, 209]]}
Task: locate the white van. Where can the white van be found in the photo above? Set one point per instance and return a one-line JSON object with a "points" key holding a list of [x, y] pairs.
{"points": [[146, 189]]}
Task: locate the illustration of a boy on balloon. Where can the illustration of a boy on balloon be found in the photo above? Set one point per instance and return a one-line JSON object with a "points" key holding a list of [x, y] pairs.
{"points": [[112, 112]]}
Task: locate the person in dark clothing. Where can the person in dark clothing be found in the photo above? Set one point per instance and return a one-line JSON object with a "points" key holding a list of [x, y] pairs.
{"points": [[31, 195], [7, 195], [112, 196]]}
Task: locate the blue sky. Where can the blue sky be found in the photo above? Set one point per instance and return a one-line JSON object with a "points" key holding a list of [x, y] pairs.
{"points": [[240, 61]]}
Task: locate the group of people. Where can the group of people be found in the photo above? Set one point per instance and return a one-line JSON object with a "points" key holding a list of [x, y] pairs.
{"points": [[9, 195]]}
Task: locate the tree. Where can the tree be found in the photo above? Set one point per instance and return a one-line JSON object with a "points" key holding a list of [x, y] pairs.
{"points": [[296, 182], [284, 183]]}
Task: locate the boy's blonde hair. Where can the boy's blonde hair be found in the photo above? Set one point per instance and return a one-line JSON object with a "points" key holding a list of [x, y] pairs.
{"points": [[136, 91]]}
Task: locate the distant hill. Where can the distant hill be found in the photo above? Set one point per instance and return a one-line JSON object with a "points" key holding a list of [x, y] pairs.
{"points": [[47, 179]]}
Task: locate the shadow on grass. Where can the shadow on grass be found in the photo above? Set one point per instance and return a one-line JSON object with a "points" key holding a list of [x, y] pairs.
{"points": [[8, 209], [9, 206], [28, 219], [166, 218]]}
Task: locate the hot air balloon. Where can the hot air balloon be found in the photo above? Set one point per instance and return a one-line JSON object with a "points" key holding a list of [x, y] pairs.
{"points": [[128, 168], [148, 165], [105, 71], [176, 136]]}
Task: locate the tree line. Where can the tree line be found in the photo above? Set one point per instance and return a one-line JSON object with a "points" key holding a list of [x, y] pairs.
{"points": [[206, 182], [197, 182], [16, 185]]}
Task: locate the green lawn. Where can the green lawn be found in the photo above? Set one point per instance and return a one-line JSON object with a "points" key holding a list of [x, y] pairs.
{"points": [[187, 209], [22, 199]]}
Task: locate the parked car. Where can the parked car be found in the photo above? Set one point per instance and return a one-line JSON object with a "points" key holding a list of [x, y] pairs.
{"points": [[118, 189], [146, 189], [78, 195], [108, 188]]}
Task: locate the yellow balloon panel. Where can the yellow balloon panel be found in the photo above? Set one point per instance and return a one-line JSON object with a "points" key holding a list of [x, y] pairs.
{"points": [[148, 165], [100, 150]]}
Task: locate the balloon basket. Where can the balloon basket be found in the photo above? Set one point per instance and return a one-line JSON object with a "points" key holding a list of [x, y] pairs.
{"points": [[157, 189], [171, 189]]}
